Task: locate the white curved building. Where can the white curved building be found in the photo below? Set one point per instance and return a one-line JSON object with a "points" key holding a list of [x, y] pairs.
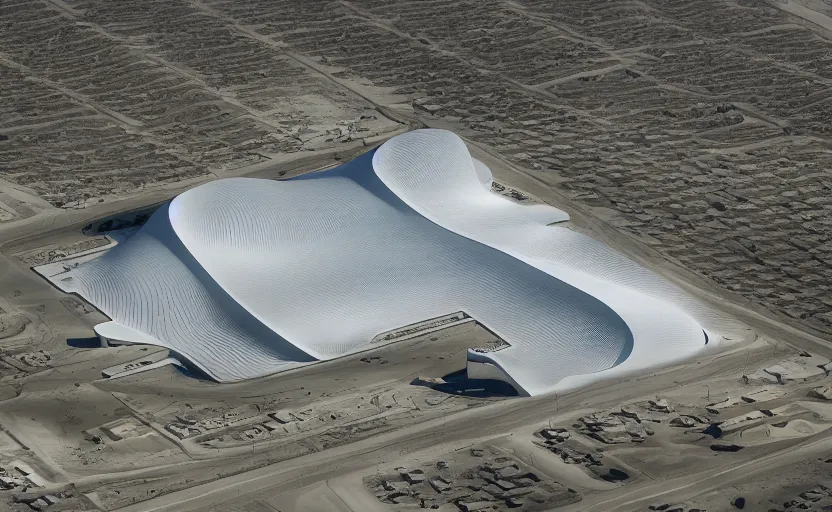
{"points": [[247, 277]]}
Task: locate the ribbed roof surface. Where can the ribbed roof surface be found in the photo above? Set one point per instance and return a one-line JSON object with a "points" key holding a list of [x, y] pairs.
{"points": [[247, 277]]}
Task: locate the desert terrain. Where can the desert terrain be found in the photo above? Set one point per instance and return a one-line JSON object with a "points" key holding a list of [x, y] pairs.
{"points": [[693, 137]]}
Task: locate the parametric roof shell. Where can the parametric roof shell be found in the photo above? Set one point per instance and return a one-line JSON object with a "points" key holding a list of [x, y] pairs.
{"points": [[247, 277]]}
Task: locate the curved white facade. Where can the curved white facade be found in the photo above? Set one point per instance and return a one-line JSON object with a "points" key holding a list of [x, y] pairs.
{"points": [[246, 277]]}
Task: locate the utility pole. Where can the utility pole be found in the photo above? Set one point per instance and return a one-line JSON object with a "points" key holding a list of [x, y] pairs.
{"points": [[745, 365]]}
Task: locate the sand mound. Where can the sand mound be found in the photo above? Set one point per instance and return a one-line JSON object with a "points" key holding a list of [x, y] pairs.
{"points": [[147, 443], [770, 433]]}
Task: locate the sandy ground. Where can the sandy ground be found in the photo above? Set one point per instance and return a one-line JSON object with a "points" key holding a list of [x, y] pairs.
{"points": [[494, 420], [691, 137]]}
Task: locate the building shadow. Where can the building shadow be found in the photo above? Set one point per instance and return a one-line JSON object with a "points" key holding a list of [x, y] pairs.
{"points": [[91, 342], [190, 370], [458, 383]]}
